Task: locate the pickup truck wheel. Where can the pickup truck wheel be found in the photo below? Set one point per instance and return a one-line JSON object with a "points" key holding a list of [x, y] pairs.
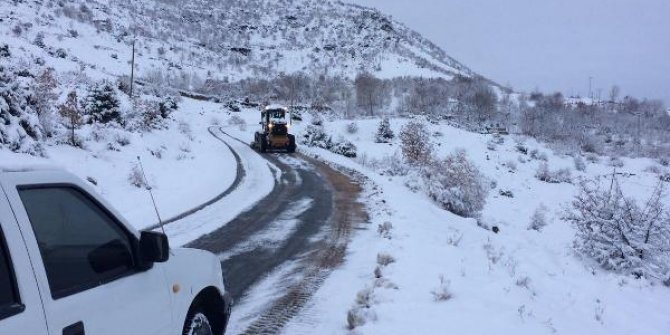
{"points": [[197, 323]]}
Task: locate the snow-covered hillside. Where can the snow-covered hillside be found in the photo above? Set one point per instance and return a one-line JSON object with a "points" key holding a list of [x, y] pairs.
{"points": [[449, 273], [509, 262], [233, 40]]}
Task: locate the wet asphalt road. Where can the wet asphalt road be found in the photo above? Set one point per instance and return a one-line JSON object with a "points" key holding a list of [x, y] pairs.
{"points": [[245, 258]]}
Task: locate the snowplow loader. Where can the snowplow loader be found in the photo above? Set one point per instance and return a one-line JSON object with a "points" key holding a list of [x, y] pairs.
{"points": [[274, 133]]}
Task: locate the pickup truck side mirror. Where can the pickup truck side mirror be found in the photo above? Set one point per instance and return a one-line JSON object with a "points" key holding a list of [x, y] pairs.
{"points": [[154, 248]]}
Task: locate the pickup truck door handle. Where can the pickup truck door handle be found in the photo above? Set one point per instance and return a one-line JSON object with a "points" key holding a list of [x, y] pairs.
{"points": [[74, 329]]}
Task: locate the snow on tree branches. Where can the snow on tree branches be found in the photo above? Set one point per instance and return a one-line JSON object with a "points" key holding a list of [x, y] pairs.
{"points": [[102, 104], [384, 132], [620, 234]]}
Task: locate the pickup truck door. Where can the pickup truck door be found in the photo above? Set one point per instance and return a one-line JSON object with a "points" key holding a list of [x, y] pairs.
{"points": [[86, 261], [20, 305]]}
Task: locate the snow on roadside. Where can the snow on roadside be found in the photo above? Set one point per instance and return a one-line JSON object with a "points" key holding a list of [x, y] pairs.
{"points": [[518, 281], [185, 165]]}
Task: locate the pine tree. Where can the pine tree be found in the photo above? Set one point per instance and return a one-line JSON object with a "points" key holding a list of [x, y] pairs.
{"points": [[102, 104], [384, 132]]}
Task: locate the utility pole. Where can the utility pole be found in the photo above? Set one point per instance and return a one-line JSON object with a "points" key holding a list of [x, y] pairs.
{"points": [[591, 88], [132, 70]]}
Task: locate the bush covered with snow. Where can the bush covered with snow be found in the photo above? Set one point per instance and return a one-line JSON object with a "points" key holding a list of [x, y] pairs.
{"points": [[344, 148], [456, 184], [352, 128], [237, 121], [149, 114], [315, 136], [539, 218], [20, 129], [546, 175], [619, 233]]}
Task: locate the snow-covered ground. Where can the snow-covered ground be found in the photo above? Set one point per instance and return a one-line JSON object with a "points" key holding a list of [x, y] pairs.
{"points": [[185, 166], [516, 281]]}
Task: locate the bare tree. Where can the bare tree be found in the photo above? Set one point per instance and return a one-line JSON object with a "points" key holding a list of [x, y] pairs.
{"points": [[368, 92], [416, 146]]}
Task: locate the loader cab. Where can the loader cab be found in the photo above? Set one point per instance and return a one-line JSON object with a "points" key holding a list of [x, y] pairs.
{"points": [[273, 121]]}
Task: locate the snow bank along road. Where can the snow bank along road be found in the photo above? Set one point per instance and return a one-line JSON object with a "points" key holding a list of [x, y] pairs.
{"points": [[306, 218]]}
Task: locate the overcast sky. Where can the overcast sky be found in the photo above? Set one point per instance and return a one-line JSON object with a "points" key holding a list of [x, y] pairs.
{"points": [[550, 44]]}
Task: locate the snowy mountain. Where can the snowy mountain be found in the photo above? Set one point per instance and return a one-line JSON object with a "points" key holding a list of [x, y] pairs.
{"points": [[232, 40]]}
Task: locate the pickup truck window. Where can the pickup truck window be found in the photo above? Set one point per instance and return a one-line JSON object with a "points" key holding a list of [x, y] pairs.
{"points": [[81, 245], [9, 297]]}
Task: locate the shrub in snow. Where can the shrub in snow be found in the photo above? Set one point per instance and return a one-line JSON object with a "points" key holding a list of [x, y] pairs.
{"points": [[655, 169], [315, 136], [389, 165], [537, 155], [384, 259], [20, 130], [539, 218], [136, 178], [39, 40], [592, 158], [185, 128], [122, 140], [60, 53], [102, 104], [17, 30], [384, 132], [344, 148], [317, 120], [150, 114], [665, 177], [416, 146], [364, 298], [4, 51], [352, 128], [506, 193], [620, 234], [384, 229], [522, 148], [615, 162], [378, 272], [442, 293], [355, 318], [237, 121], [456, 185], [559, 176], [664, 161], [167, 106], [580, 165], [510, 165]]}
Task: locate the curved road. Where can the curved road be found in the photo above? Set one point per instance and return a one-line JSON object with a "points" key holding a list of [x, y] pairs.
{"points": [[307, 218]]}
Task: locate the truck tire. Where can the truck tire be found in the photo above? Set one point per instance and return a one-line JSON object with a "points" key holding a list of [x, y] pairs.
{"points": [[197, 323]]}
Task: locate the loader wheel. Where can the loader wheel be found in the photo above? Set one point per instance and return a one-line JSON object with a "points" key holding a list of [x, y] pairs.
{"points": [[291, 144], [262, 147]]}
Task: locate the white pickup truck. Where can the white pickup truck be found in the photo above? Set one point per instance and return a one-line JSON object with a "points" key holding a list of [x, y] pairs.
{"points": [[71, 265]]}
